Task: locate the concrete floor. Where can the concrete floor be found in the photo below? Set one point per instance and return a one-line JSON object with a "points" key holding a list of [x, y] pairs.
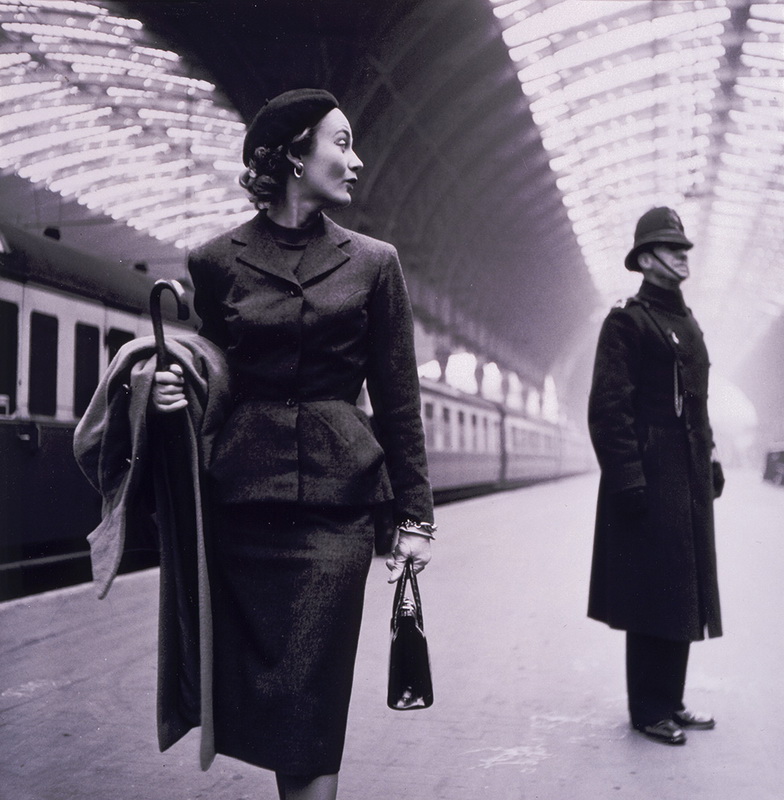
{"points": [[530, 701]]}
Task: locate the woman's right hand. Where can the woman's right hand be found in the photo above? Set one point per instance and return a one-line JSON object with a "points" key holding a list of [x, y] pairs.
{"points": [[168, 393], [409, 547]]}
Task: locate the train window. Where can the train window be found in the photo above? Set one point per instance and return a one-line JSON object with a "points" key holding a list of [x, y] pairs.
{"points": [[474, 433], [87, 366], [43, 364], [429, 425], [115, 339], [9, 347], [446, 416], [461, 444]]}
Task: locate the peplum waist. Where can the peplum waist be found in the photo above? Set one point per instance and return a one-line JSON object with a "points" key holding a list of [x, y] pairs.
{"points": [[319, 451]]}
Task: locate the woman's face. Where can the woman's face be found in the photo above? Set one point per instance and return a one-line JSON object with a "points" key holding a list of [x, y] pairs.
{"points": [[331, 167]]}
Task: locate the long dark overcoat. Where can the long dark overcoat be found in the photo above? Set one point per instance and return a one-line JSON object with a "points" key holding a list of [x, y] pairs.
{"points": [[648, 421]]}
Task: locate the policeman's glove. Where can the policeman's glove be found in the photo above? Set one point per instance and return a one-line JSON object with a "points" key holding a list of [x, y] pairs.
{"points": [[632, 502], [410, 547], [718, 478]]}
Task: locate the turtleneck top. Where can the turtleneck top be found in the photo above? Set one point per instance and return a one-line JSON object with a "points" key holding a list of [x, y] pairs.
{"points": [[291, 241]]}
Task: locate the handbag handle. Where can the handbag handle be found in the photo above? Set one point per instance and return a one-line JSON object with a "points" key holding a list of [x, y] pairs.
{"points": [[409, 576]]}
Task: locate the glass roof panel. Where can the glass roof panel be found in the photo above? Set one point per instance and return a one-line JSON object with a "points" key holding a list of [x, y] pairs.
{"points": [[65, 126], [664, 102]]}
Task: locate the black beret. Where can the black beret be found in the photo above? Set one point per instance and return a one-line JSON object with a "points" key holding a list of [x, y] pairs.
{"points": [[279, 120]]}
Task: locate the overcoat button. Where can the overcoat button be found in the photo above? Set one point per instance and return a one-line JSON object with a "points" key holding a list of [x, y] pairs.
{"points": [[291, 402]]}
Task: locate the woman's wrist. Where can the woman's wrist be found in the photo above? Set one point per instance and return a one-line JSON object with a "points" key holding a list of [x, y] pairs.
{"points": [[426, 529]]}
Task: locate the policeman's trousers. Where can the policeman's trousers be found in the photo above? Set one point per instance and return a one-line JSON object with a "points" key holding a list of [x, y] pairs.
{"points": [[655, 677]]}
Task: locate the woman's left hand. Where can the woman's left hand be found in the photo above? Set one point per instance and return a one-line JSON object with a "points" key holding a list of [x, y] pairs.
{"points": [[410, 547], [168, 393]]}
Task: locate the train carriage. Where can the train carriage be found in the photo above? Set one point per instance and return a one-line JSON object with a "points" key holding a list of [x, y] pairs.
{"points": [[63, 317]]}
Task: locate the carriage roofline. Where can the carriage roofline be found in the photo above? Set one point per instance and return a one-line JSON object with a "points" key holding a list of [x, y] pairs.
{"points": [[431, 387], [35, 258]]}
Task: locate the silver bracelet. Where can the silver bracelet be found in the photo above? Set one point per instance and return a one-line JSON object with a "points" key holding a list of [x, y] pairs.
{"points": [[425, 529]]}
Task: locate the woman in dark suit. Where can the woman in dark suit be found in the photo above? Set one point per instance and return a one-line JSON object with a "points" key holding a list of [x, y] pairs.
{"points": [[305, 312]]}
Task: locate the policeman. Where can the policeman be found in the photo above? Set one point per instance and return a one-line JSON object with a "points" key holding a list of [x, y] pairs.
{"points": [[654, 560]]}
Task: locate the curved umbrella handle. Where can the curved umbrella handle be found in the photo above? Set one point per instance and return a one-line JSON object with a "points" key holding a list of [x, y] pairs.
{"points": [[155, 312]]}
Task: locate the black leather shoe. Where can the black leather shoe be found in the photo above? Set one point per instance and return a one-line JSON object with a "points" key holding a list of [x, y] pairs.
{"points": [[665, 731], [694, 721]]}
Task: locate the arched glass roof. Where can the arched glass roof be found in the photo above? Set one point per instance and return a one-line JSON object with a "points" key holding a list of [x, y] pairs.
{"points": [[637, 103], [95, 109], [651, 102]]}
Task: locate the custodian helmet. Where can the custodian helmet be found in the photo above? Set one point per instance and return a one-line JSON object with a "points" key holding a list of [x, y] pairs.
{"points": [[657, 226]]}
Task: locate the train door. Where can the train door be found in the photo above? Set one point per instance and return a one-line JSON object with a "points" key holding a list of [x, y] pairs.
{"points": [[10, 306]]}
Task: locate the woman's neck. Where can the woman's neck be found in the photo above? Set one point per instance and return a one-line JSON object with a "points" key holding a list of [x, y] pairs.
{"points": [[294, 213]]}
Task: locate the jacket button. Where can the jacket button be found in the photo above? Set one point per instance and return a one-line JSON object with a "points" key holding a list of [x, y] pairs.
{"points": [[291, 402]]}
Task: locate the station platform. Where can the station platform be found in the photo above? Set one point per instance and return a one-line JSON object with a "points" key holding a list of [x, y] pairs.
{"points": [[529, 694]]}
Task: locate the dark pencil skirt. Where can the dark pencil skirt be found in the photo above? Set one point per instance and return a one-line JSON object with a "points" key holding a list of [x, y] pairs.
{"points": [[289, 584]]}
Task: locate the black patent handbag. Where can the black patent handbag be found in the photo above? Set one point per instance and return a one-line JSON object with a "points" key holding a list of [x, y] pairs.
{"points": [[410, 684]]}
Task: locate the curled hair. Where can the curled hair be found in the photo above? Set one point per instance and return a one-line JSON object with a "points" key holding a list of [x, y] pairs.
{"points": [[265, 178]]}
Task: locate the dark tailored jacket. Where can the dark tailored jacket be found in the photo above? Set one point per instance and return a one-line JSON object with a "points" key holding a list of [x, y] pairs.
{"points": [[117, 453], [299, 347], [654, 574]]}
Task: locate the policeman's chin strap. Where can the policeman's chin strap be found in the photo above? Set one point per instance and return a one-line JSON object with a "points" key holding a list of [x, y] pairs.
{"points": [[666, 266]]}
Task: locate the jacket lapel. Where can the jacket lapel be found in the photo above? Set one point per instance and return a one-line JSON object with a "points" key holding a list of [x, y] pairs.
{"points": [[256, 249], [324, 253]]}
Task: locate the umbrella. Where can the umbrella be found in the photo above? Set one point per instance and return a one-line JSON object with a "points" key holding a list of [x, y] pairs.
{"points": [[175, 515]]}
